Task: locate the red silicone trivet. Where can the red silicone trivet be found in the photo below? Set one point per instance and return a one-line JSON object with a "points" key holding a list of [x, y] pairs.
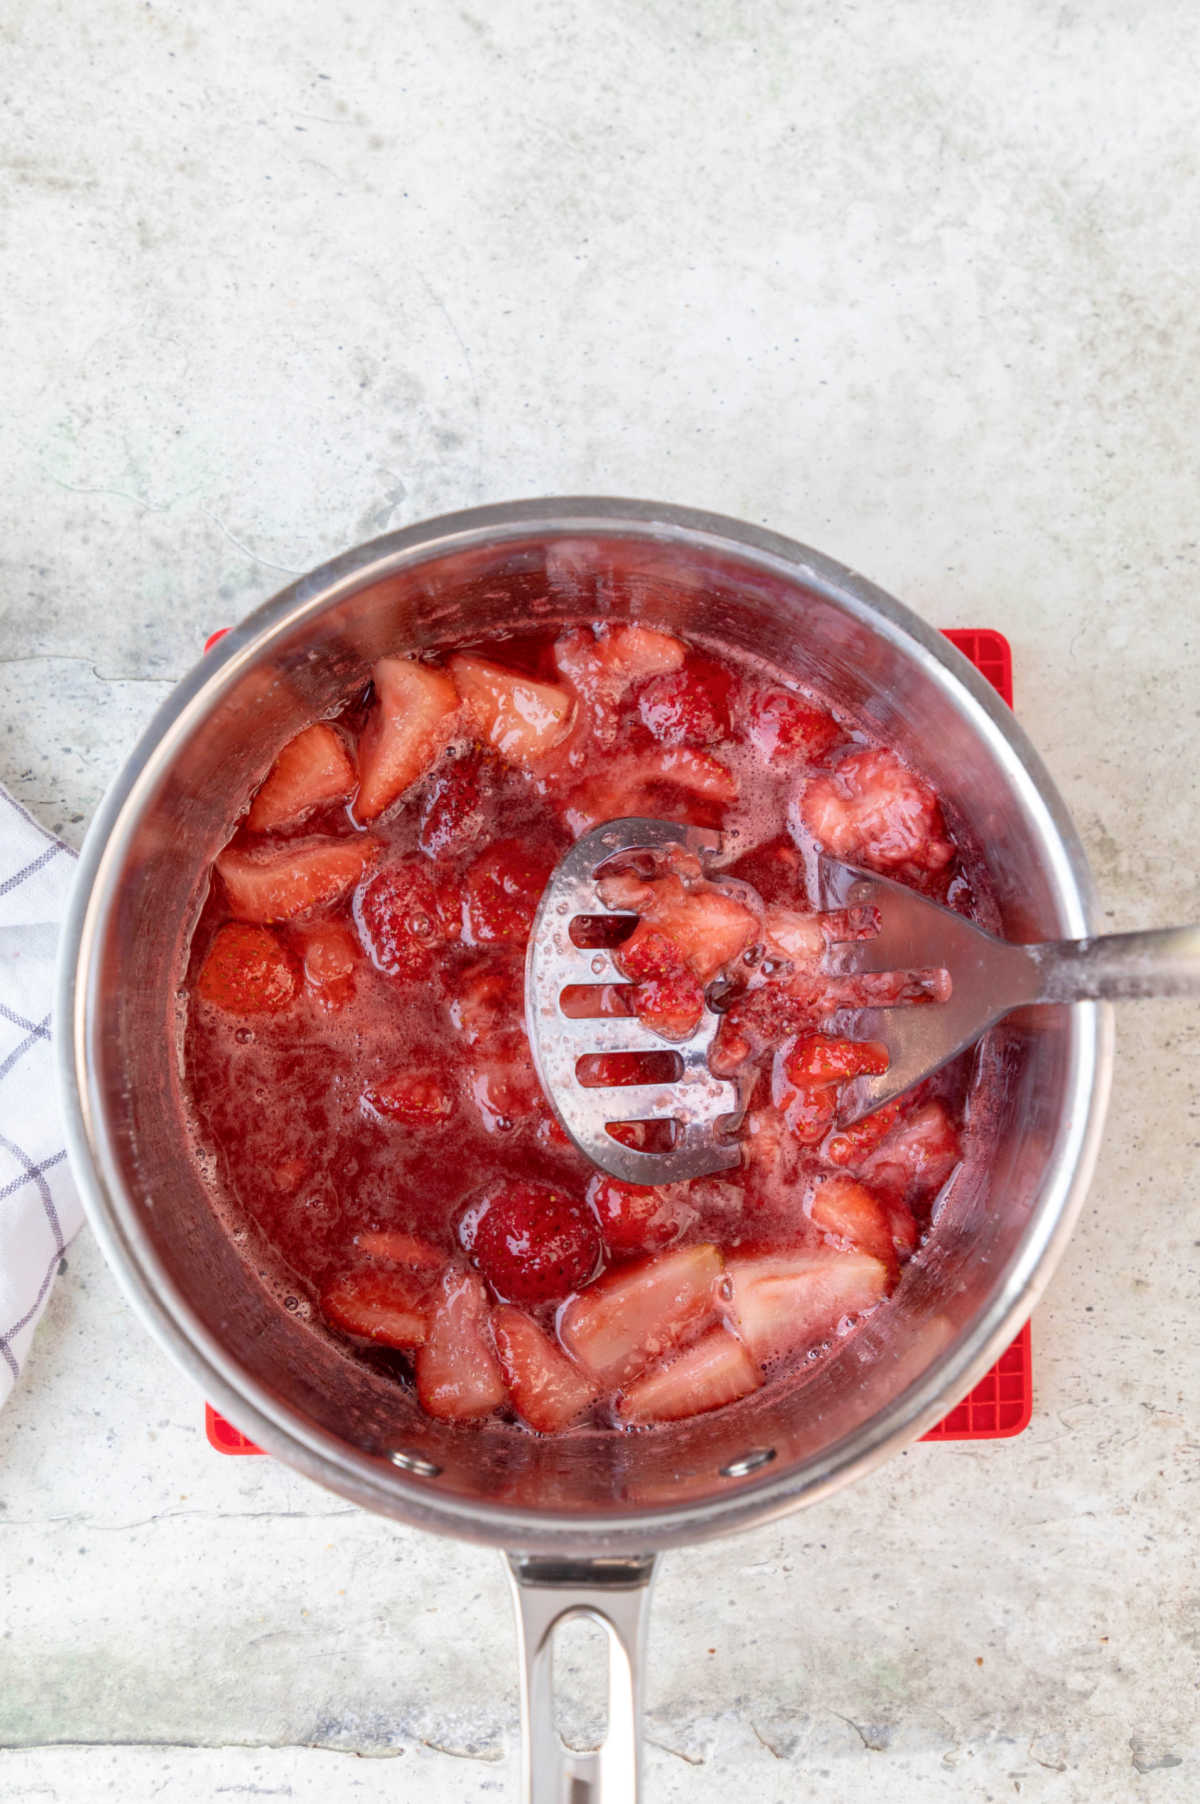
{"points": [[1002, 1402]]}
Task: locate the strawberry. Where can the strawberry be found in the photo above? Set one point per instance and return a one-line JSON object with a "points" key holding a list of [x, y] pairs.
{"points": [[489, 996], [503, 1084], [452, 816], [518, 717], [546, 1390], [280, 882], [639, 1313], [405, 916], [418, 1099], [848, 1214], [785, 727], [916, 1158], [602, 668], [413, 717], [775, 870], [312, 769], [687, 785], [708, 926], [532, 1242], [798, 938], [504, 887], [689, 706], [775, 1010], [331, 955], [389, 1307], [854, 1143], [665, 994], [458, 1374], [820, 1059], [633, 1218], [810, 1111], [401, 1248], [246, 971], [781, 1303], [873, 810], [715, 1371], [902, 1224]]}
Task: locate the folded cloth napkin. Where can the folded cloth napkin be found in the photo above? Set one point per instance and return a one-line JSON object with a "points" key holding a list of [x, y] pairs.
{"points": [[39, 1207]]}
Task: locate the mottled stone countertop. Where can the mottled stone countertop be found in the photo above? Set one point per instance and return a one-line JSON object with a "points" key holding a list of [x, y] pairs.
{"points": [[915, 284]]}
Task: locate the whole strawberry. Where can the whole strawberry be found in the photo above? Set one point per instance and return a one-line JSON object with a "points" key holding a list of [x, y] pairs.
{"points": [[532, 1242]]}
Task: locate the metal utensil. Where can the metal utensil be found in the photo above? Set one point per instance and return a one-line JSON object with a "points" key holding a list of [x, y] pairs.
{"points": [[988, 977], [698, 1104]]}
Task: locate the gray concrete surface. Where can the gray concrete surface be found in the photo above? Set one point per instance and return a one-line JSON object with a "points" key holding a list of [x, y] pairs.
{"points": [[915, 283]]}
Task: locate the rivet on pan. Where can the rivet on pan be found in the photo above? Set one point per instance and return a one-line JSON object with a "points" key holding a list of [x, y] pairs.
{"points": [[749, 1462], [413, 1462]]}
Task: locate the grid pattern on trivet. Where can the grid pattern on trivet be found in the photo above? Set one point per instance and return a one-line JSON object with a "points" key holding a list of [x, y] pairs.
{"points": [[1001, 1404]]}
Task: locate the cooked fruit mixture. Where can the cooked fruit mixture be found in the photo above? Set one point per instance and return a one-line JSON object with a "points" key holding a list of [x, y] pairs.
{"points": [[357, 1065]]}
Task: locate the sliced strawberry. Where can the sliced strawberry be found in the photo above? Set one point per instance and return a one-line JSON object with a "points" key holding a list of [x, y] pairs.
{"points": [[686, 785], [716, 1371], [247, 971], [518, 717], [873, 810], [708, 926], [389, 1307], [418, 1099], [312, 769], [504, 887], [331, 956], [458, 1374], [401, 1248], [810, 1111], [413, 717], [916, 1158], [532, 1242], [854, 1143], [280, 882], [822, 1059], [640, 1313], [452, 818], [546, 1390], [503, 1084], [604, 667], [405, 916], [690, 706], [783, 1302], [783, 727], [847, 1213], [632, 1217]]}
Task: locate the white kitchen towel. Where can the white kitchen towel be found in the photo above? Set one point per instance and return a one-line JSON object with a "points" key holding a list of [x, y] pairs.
{"points": [[39, 1207]]}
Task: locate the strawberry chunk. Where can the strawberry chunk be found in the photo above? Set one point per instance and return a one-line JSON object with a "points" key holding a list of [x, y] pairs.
{"points": [[854, 1143], [452, 818], [331, 955], [628, 1319], [489, 997], [418, 1099], [546, 1390], [716, 1371], [518, 717], [504, 887], [280, 882], [785, 1302], [313, 769], [247, 971], [689, 706], [633, 1217], [677, 782], [532, 1242], [784, 727], [388, 1307], [603, 667], [665, 994], [708, 926], [401, 1248], [848, 1214], [405, 916], [458, 1374], [774, 869], [413, 717], [503, 1084], [916, 1158], [873, 810], [820, 1059]]}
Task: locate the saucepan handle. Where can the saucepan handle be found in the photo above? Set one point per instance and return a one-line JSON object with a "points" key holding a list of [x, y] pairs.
{"points": [[548, 1590]]}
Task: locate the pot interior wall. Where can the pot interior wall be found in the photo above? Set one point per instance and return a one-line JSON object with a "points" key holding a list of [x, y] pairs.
{"points": [[222, 745]]}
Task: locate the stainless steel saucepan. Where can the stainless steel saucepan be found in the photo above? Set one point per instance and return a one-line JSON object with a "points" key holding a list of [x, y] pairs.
{"points": [[581, 1519]]}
